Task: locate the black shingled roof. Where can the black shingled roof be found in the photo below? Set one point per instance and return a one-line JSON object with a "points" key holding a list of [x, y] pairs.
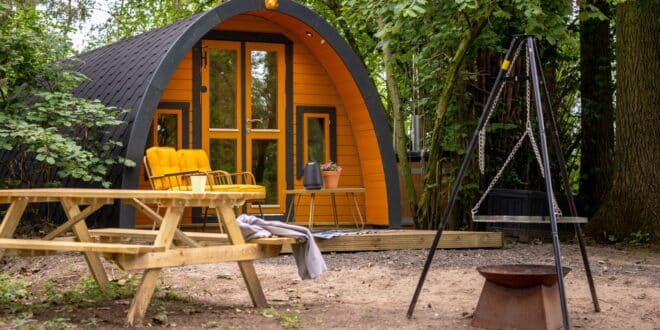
{"points": [[120, 73]]}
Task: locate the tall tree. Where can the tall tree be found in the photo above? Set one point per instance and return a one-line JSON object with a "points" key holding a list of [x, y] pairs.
{"points": [[63, 15], [46, 133], [132, 17], [597, 118], [421, 54], [633, 203]]}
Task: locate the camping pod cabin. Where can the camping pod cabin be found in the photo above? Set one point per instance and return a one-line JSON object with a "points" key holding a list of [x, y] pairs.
{"points": [[260, 90]]}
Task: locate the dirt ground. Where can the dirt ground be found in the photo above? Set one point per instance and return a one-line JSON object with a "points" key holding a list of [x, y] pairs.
{"points": [[366, 290]]}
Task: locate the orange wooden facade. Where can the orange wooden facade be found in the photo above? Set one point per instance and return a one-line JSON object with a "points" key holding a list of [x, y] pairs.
{"points": [[320, 78]]}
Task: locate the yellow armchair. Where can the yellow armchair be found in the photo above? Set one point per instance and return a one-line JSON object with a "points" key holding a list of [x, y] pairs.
{"points": [[170, 169], [196, 160], [163, 170]]}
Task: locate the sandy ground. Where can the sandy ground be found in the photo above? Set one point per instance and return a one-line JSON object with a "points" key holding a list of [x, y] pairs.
{"points": [[366, 290]]}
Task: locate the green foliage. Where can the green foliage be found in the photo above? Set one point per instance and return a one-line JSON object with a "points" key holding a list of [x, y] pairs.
{"points": [[57, 324], [40, 120], [87, 293], [91, 322], [288, 320], [13, 292], [638, 237], [24, 320], [132, 17]]}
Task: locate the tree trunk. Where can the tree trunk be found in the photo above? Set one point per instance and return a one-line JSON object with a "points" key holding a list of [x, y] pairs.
{"points": [[633, 202], [399, 122], [597, 118], [433, 179]]}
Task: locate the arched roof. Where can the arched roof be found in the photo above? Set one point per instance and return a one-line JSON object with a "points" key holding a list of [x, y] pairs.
{"points": [[134, 72]]}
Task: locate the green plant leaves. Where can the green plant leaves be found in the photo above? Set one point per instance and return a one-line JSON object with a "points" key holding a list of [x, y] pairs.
{"points": [[44, 125]]}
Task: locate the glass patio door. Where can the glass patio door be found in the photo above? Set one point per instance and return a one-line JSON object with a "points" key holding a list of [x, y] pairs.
{"points": [[243, 113]]}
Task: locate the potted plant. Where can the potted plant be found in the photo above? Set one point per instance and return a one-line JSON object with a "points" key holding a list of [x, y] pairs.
{"points": [[331, 172]]}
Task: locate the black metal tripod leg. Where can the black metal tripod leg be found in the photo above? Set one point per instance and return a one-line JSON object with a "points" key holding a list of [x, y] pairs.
{"points": [[461, 173], [534, 68], [566, 184]]}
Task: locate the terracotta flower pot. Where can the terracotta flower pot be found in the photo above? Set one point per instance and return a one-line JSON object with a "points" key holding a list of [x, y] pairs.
{"points": [[330, 179]]}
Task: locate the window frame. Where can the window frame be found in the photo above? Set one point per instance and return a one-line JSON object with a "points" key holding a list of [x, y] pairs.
{"points": [[179, 126], [304, 112], [326, 131]]}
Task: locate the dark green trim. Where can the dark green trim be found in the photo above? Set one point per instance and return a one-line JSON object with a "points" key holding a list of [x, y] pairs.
{"points": [[196, 95], [247, 36], [184, 107], [300, 112], [243, 109], [288, 90]]}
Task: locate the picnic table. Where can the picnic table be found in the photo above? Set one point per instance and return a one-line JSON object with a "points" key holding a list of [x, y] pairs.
{"points": [[169, 246]]}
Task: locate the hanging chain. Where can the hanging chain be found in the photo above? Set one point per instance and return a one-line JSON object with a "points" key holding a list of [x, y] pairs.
{"points": [[499, 173], [482, 132], [528, 120], [529, 132]]}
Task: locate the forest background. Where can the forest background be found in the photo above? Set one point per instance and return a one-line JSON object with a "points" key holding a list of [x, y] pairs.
{"points": [[432, 59]]}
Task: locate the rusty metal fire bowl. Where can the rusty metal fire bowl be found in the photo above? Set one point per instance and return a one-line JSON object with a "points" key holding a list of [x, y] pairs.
{"points": [[519, 297]]}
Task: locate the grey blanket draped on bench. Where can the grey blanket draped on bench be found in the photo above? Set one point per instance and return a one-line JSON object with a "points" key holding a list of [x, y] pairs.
{"points": [[306, 253]]}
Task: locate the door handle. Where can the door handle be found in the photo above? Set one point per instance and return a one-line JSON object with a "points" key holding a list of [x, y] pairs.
{"points": [[249, 123]]}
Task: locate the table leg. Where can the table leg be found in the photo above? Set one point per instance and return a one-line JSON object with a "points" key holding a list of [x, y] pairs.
{"points": [[296, 207], [145, 291], [348, 198], [288, 214], [357, 207], [157, 219], [312, 199], [247, 268], [143, 296], [11, 219], [80, 230], [169, 226], [334, 210]]}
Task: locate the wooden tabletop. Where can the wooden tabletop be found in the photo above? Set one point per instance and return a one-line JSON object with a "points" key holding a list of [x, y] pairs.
{"points": [[324, 191], [107, 196]]}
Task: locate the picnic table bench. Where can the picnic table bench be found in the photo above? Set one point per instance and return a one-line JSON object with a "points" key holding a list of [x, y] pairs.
{"points": [[169, 247]]}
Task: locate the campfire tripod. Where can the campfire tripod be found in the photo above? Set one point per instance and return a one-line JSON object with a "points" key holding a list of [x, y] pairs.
{"points": [[529, 42]]}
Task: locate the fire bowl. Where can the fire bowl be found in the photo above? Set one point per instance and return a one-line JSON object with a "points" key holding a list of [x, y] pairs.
{"points": [[521, 276]]}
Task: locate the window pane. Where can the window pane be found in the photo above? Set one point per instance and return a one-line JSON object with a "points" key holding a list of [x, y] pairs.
{"points": [[264, 167], [168, 133], [223, 155], [316, 140], [222, 91], [264, 88]]}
